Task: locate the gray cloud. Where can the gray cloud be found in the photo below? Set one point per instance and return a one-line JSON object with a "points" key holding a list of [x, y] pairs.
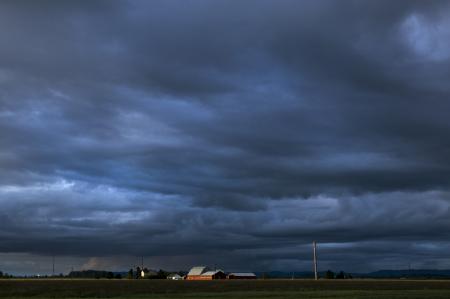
{"points": [[225, 131]]}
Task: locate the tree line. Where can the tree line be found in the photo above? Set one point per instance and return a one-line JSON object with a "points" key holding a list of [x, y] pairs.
{"points": [[341, 275], [4, 275]]}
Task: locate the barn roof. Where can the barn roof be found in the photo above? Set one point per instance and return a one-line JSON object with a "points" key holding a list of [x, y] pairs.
{"points": [[198, 270], [211, 273]]}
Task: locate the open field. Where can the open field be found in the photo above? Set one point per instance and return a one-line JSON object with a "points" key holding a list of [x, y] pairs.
{"points": [[223, 289]]}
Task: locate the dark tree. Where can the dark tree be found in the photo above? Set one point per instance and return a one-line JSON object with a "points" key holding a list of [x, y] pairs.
{"points": [[162, 274], [138, 273], [340, 275], [110, 275], [329, 274], [130, 274]]}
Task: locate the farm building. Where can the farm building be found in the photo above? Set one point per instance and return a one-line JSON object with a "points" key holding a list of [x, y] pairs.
{"points": [[203, 273], [212, 275], [241, 276], [148, 273], [174, 276], [195, 272]]}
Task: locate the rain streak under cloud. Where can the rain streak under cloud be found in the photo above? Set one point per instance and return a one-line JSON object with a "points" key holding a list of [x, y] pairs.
{"points": [[224, 132]]}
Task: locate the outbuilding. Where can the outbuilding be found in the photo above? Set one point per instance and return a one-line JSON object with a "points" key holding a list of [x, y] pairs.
{"points": [[212, 275], [148, 273], [174, 276]]}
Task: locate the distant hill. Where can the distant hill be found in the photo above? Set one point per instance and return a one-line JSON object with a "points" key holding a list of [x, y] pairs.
{"points": [[413, 274]]}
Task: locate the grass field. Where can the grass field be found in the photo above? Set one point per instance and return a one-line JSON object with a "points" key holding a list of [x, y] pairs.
{"points": [[224, 289]]}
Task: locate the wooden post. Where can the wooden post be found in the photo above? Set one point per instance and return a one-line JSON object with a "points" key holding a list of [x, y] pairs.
{"points": [[315, 260]]}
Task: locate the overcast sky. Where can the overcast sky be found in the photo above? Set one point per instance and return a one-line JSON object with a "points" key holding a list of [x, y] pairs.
{"points": [[228, 133]]}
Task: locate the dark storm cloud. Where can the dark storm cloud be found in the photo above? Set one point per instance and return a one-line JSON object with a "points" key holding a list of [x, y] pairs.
{"points": [[235, 131]]}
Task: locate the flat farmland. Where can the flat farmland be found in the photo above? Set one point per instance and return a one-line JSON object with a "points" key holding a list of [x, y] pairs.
{"points": [[65, 288]]}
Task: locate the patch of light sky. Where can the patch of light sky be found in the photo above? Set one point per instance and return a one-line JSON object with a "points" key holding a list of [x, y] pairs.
{"points": [[429, 39]]}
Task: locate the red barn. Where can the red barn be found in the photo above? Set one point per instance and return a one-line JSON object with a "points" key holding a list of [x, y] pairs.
{"points": [[203, 273]]}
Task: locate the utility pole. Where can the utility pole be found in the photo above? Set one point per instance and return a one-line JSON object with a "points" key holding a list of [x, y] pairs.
{"points": [[142, 263], [316, 277], [53, 265]]}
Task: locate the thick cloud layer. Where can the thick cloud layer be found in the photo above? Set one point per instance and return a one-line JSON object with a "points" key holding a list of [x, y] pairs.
{"points": [[218, 132]]}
